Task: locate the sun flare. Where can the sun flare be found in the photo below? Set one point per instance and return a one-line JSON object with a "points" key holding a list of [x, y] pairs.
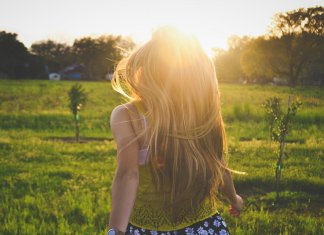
{"points": [[202, 34]]}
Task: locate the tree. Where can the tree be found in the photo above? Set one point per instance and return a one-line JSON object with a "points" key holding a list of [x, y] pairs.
{"points": [[227, 63], [293, 50], [310, 20], [78, 98], [99, 55], [13, 56], [280, 123], [301, 35], [56, 55], [258, 60]]}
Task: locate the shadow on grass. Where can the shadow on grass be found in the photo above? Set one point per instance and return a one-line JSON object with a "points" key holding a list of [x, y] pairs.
{"points": [[298, 195], [254, 186], [69, 139], [9, 170], [291, 141], [5, 148], [35, 122]]}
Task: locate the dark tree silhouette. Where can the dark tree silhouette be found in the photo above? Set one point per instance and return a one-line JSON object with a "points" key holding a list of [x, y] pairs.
{"points": [[13, 56], [99, 55], [56, 55]]}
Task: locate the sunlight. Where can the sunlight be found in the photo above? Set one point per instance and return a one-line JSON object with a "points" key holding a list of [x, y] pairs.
{"points": [[208, 28], [206, 42], [207, 37], [211, 21], [201, 34]]}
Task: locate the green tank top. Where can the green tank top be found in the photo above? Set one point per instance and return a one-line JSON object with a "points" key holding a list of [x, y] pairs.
{"points": [[148, 212]]}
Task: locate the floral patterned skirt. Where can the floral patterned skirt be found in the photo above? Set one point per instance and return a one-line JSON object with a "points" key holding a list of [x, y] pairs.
{"points": [[213, 225]]}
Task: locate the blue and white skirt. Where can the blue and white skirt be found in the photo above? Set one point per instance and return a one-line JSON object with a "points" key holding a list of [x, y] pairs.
{"points": [[213, 225]]}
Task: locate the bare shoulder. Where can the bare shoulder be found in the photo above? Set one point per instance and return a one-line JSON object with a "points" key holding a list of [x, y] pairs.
{"points": [[121, 113], [118, 111], [121, 120]]}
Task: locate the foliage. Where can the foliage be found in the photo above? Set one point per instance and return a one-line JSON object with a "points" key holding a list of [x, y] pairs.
{"points": [[280, 123], [257, 58], [299, 21], [292, 51], [227, 63], [78, 98], [273, 111], [56, 55], [13, 56], [99, 55], [301, 32]]}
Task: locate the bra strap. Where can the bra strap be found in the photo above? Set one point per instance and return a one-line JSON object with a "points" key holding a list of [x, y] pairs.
{"points": [[139, 114], [145, 123]]}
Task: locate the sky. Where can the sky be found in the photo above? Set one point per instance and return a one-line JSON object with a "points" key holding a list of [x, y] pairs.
{"points": [[211, 21]]}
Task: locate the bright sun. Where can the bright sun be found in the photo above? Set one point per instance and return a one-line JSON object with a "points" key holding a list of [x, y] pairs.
{"points": [[209, 35], [202, 34]]}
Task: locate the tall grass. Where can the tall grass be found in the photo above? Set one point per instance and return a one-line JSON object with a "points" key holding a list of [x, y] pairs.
{"points": [[52, 185]]}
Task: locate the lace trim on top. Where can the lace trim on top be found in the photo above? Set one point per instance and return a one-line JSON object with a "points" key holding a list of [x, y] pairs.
{"points": [[153, 218], [148, 212]]}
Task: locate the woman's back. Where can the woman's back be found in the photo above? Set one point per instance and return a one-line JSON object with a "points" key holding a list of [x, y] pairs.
{"points": [[148, 211], [170, 138], [175, 82]]}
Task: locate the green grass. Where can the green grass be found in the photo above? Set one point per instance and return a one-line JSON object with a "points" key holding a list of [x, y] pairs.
{"points": [[51, 185]]}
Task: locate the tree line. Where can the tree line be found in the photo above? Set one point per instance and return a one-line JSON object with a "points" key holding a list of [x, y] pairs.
{"points": [[97, 55], [292, 51]]}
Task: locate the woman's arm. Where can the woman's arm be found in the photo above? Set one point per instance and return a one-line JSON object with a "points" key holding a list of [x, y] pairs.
{"points": [[126, 178], [229, 190]]}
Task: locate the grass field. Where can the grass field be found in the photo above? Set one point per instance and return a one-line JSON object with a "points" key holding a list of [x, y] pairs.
{"points": [[51, 185]]}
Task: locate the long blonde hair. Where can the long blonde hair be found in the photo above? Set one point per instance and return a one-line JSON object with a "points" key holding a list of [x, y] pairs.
{"points": [[175, 82]]}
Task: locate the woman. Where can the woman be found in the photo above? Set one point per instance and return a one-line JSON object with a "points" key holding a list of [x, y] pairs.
{"points": [[171, 141]]}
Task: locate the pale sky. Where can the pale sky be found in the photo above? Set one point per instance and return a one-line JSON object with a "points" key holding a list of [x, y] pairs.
{"points": [[212, 21]]}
